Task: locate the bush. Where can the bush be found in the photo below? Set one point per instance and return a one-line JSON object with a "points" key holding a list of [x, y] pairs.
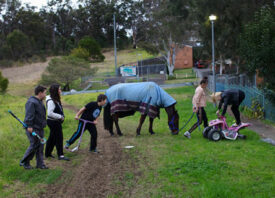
{"points": [[3, 83], [93, 48], [80, 53], [65, 70]]}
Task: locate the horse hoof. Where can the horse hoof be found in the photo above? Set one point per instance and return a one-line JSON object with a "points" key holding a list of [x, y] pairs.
{"points": [[138, 134], [152, 133], [120, 134]]}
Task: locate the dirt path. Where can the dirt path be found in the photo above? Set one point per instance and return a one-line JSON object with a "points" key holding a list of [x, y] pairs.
{"points": [[25, 74], [94, 175]]}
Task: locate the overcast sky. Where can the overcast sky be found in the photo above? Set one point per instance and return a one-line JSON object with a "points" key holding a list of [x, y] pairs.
{"points": [[38, 3]]}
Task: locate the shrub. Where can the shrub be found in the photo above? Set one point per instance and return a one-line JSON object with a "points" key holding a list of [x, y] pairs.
{"points": [[93, 48], [80, 53], [3, 83]]}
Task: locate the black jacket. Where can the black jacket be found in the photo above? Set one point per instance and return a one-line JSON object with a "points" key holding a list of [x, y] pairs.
{"points": [[231, 97], [35, 116]]}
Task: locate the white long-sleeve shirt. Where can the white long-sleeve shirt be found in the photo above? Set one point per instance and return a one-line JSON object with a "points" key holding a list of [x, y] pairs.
{"points": [[50, 109]]}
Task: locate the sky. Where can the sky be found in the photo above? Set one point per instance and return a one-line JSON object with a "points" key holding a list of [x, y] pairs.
{"points": [[38, 3]]}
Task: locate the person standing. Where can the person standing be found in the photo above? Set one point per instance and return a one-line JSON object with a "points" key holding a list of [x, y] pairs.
{"points": [[55, 118], [35, 119], [90, 112], [233, 97], [199, 102]]}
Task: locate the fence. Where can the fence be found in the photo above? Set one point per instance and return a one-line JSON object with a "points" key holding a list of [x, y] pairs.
{"points": [[247, 85]]}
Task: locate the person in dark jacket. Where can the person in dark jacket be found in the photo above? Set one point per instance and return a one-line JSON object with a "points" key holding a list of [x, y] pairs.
{"points": [[35, 119], [233, 97], [90, 112], [55, 118]]}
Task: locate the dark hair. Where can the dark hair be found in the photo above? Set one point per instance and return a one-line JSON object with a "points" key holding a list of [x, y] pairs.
{"points": [[204, 80], [101, 97], [38, 89], [54, 93]]}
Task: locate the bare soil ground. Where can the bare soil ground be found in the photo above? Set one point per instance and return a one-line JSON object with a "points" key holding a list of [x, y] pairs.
{"points": [[26, 73], [94, 174]]}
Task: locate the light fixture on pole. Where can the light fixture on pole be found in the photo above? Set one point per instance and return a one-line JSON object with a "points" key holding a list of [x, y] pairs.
{"points": [[212, 18]]}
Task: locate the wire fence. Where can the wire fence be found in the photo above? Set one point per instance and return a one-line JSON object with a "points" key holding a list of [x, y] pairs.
{"points": [[248, 86]]}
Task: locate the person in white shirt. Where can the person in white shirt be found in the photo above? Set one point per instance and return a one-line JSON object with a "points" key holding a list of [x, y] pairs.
{"points": [[55, 118]]}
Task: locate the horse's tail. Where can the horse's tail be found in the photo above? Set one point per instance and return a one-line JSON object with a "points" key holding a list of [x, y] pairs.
{"points": [[107, 117]]}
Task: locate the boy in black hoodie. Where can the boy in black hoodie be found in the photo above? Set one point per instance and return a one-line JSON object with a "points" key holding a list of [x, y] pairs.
{"points": [[35, 118]]}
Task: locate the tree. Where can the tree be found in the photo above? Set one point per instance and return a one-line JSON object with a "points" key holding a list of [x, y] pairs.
{"points": [[92, 47], [65, 70], [258, 46], [232, 15], [19, 44]]}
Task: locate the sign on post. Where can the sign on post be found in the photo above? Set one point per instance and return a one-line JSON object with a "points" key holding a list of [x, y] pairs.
{"points": [[128, 71]]}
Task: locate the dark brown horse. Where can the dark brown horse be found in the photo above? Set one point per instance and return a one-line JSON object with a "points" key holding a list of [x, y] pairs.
{"points": [[119, 108]]}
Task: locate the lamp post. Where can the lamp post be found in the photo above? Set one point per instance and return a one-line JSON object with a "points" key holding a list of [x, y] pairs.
{"points": [[212, 18]]}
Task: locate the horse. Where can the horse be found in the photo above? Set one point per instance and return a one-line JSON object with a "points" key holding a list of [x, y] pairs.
{"points": [[147, 97]]}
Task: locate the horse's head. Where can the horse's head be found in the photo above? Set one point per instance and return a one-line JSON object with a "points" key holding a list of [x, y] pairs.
{"points": [[173, 122]]}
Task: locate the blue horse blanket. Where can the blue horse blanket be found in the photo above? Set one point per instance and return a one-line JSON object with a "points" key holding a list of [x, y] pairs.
{"points": [[145, 97]]}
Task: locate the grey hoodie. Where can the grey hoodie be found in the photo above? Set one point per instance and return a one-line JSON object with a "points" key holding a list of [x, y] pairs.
{"points": [[35, 113]]}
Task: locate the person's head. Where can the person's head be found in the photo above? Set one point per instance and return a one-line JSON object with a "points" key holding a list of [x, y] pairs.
{"points": [[55, 92], [216, 96], [101, 99], [204, 82], [40, 92]]}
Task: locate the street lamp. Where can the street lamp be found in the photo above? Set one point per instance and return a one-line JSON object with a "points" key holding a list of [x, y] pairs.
{"points": [[212, 18]]}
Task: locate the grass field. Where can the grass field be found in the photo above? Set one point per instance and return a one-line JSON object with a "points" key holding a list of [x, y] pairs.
{"points": [[166, 165], [173, 166]]}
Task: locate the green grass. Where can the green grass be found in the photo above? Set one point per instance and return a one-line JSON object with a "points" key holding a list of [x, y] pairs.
{"points": [[14, 180], [168, 166], [174, 166]]}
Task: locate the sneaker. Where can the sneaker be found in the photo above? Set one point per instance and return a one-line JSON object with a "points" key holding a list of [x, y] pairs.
{"points": [[49, 156], [236, 125], [187, 134], [26, 166], [94, 151], [42, 167], [62, 157]]}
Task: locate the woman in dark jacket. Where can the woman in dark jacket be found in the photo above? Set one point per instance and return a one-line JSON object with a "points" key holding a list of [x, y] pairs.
{"points": [[55, 118], [233, 97]]}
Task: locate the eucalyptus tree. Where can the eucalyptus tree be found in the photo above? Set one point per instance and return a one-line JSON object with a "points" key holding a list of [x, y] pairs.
{"points": [[232, 15]]}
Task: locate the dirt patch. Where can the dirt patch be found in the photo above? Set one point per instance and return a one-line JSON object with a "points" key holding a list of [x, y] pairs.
{"points": [[25, 74], [94, 176]]}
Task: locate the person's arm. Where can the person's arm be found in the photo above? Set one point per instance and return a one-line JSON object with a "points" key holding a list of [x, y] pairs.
{"points": [[225, 104], [79, 113], [50, 109], [29, 116]]}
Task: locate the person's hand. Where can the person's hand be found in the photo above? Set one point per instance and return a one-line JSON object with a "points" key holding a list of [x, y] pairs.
{"points": [[76, 118], [95, 122], [195, 110], [30, 130], [218, 112], [62, 119]]}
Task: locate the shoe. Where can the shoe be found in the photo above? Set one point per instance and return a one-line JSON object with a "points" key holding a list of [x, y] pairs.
{"points": [[63, 158], [94, 151], [26, 166], [236, 125], [42, 167], [49, 156], [187, 134]]}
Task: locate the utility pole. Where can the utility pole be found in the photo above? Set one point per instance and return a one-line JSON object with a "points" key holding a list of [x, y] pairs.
{"points": [[115, 45]]}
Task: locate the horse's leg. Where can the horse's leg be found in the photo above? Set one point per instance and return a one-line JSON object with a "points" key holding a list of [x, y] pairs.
{"points": [[141, 120], [111, 127], [151, 126], [117, 126]]}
